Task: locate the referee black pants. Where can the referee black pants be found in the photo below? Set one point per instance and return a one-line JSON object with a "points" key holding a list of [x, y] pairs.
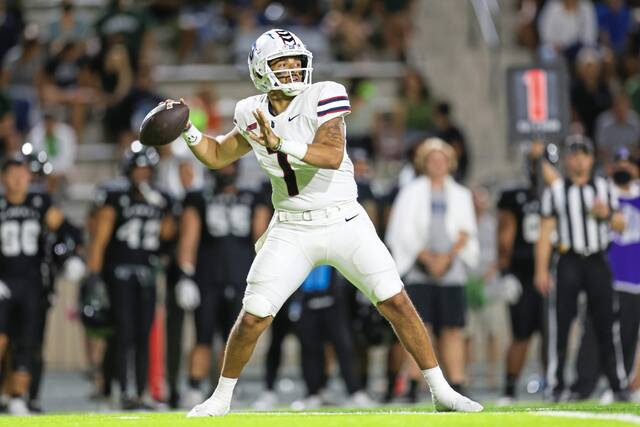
{"points": [[576, 273], [588, 365]]}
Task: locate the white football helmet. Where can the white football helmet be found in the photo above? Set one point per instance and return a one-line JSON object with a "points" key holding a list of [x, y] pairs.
{"points": [[274, 44]]}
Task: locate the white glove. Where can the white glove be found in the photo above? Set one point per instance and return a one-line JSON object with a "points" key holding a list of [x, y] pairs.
{"points": [[511, 288], [187, 294], [74, 269], [5, 292]]}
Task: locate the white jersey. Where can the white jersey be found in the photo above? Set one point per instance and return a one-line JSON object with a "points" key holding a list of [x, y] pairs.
{"points": [[298, 186]]}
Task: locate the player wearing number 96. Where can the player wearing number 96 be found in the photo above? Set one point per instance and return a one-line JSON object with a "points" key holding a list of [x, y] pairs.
{"points": [[296, 130], [131, 220], [25, 216]]}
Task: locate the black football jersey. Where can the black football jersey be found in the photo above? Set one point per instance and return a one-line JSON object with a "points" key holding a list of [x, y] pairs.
{"points": [[136, 233], [524, 204], [22, 229], [226, 244]]}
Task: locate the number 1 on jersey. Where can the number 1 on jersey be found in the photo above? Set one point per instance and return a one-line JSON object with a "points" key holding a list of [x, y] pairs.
{"points": [[289, 174]]}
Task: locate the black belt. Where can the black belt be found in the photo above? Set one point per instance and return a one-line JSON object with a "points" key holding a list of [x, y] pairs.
{"points": [[584, 255]]}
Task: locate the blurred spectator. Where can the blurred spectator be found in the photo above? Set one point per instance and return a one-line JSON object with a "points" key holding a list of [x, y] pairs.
{"points": [[567, 25], [122, 23], [123, 119], [58, 140], [204, 28], [349, 30], [450, 133], [527, 31], [116, 79], [67, 26], [484, 299], [67, 81], [363, 174], [11, 25], [203, 111], [8, 137], [364, 121], [590, 94], [432, 235], [614, 20], [616, 128], [22, 77], [632, 89], [394, 23], [414, 108]]}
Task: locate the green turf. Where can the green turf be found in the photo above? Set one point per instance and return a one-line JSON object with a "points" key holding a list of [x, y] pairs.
{"points": [[523, 415]]}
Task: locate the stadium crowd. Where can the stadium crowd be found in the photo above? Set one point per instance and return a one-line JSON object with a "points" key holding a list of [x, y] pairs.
{"points": [[466, 255]]}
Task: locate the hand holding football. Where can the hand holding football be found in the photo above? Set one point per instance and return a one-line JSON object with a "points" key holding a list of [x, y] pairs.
{"points": [[164, 123]]}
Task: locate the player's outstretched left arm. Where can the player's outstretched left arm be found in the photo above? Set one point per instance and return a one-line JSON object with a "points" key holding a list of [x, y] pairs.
{"points": [[214, 152], [218, 152], [326, 151]]}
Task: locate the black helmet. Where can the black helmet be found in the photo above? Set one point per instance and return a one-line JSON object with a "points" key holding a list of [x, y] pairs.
{"points": [[93, 303], [139, 155]]}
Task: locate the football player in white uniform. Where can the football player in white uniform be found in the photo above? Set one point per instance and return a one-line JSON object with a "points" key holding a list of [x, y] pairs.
{"points": [[297, 132]]}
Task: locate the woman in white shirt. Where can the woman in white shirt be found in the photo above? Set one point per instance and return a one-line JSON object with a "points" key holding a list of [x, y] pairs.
{"points": [[565, 25], [432, 236]]}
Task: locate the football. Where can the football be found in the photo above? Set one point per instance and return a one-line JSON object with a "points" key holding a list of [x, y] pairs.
{"points": [[164, 123]]}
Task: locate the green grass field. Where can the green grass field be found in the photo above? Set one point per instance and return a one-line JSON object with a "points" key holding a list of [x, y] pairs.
{"points": [[524, 415]]}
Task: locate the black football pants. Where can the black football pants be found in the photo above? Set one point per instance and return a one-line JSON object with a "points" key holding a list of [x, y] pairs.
{"points": [[576, 273], [589, 367], [317, 327], [133, 302]]}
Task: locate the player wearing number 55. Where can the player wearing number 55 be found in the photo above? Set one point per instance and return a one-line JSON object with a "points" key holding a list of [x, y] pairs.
{"points": [[131, 220], [297, 132]]}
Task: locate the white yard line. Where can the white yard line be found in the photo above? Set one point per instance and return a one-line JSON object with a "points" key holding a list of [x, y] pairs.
{"points": [[630, 418]]}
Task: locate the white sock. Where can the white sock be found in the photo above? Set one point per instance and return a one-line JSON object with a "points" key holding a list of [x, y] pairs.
{"points": [[435, 378], [225, 387]]}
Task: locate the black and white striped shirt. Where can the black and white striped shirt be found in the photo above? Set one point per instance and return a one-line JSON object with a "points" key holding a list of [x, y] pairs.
{"points": [[577, 229]]}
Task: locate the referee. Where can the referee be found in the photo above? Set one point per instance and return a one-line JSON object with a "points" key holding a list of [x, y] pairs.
{"points": [[582, 209]]}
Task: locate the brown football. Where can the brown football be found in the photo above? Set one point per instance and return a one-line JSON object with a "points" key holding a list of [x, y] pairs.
{"points": [[164, 123]]}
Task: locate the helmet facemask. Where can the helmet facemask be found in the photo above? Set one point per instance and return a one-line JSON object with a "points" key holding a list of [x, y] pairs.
{"points": [[272, 45], [291, 81]]}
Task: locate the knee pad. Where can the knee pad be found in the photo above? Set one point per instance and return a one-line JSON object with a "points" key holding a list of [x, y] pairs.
{"points": [[258, 305]]}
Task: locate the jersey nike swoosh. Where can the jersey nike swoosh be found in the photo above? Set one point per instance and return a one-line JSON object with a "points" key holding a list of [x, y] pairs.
{"points": [[349, 219], [291, 118]]}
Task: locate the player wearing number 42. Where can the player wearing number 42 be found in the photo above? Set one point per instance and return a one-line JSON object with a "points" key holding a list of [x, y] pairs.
{"points": [[132, 219], [296, 130]]}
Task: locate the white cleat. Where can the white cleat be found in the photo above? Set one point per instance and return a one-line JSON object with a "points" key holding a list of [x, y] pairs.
{"points": [[212, 407], [449, 400], [18, 406], [311, 402], [360, 399], [505, 401], [267, 401]]}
